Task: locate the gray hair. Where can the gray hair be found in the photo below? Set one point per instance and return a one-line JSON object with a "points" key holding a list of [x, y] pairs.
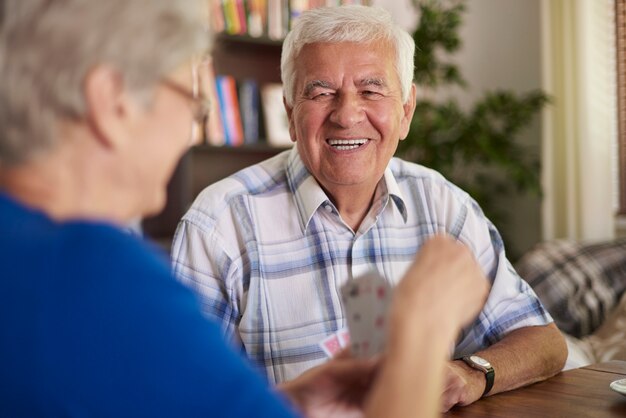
{"points": [[47, 48], [361, 24]]}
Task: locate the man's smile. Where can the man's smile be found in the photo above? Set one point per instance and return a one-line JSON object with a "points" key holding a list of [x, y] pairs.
{"points": [[346, 144]]}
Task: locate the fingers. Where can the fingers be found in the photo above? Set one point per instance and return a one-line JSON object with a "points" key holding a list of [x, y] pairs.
{"points": [[343, 354], [446, 275], [348, 368]]}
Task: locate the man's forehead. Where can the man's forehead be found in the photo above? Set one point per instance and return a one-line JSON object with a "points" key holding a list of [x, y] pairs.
{"points": [[367, 63]]}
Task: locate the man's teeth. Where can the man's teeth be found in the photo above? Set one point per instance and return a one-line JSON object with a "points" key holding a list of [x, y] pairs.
{"points": [[346, 144]]}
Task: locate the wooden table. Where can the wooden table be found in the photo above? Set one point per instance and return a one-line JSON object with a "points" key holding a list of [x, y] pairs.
{"points": [[575, 393]]}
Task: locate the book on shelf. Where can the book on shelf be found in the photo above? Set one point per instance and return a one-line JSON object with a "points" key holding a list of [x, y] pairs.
{"points": [[242, 112], [241, 16], [231, 17], [264, 18], [229, 107], [277, 14], [257, 17], [249, 107], [275, 116]]}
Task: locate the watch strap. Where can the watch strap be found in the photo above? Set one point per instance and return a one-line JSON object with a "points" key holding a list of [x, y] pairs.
{"points": [[490, 377], [488, 371]]}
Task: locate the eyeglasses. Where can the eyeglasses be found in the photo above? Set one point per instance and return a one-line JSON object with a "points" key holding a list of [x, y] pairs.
{"points": [[200, 104]]}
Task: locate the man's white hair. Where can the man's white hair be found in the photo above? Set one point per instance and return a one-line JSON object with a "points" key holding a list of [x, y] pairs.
{"points": [[48, 47], [360, 24]]}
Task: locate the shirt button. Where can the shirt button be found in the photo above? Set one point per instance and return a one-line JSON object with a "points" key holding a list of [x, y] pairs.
{"points": [[328, 208]]}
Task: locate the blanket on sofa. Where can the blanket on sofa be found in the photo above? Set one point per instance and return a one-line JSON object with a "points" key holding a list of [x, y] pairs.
{"points": [[578, 283]]}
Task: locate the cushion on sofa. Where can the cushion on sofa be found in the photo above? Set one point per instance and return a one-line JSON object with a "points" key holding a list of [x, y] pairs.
{"points": [[578, 283]]}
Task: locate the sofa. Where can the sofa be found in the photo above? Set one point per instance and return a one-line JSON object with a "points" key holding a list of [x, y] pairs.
{"points": [[583, 287]]}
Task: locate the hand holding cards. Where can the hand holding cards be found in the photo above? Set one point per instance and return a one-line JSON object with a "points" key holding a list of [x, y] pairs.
{"points": [[366, 301]]}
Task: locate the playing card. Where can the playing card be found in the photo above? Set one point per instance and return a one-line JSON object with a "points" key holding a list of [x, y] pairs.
{"points": [[331, 345], [366, 302], [335, 342], [382, 303], [356, 313], [344, 337]]}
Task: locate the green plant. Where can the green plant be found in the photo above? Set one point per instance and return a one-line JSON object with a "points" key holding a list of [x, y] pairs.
{"points": [[475, 148]]}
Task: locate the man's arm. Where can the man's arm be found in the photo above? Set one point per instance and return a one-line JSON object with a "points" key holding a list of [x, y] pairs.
{"points": [[522, 357]]}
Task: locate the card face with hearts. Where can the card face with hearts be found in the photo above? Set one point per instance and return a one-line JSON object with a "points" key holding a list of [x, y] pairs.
{"points": [[335, 342], [366, 302], [331, 345], [344, 337]]}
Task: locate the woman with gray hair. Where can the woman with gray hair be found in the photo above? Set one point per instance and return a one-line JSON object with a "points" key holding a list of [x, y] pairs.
{"points": [[96, 103]]}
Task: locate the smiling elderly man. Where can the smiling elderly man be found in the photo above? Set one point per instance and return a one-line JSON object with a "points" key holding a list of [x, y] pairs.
{"points": [[268, 248]]}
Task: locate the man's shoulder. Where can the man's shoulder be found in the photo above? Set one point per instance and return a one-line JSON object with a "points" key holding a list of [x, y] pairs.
{"points": [[265, 177], [406, 169]]}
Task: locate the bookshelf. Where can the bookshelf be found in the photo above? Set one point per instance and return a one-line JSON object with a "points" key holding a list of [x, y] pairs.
{"points": [[247, 57]]}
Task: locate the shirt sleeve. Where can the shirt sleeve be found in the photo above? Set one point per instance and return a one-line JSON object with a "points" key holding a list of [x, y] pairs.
{"points": [[200, 261], [511, 303]]}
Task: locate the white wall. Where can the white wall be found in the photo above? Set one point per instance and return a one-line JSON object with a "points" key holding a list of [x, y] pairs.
{"points": [[501, 50]]}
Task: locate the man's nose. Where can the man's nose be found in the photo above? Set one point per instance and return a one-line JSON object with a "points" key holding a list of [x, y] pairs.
{"points": [[348, 111]]}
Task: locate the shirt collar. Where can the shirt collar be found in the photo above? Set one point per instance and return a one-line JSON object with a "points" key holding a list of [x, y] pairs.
{"points": [[307, 192], [309, 195], [394, 192]]}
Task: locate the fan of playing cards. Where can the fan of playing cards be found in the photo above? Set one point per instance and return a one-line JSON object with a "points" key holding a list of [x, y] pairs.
{"points": [[366, 301]]}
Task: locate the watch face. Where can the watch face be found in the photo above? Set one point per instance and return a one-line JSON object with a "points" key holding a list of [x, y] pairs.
{"points": [[480, 361]]}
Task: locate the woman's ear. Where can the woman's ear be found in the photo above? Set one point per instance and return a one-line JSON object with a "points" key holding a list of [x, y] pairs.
{"points": [[109, 107]]}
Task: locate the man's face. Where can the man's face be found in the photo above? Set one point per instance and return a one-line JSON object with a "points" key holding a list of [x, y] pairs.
{"points": [[348, 116]]}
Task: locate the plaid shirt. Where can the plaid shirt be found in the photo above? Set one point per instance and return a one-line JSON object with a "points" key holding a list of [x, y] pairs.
{"points": [[267, 252]]}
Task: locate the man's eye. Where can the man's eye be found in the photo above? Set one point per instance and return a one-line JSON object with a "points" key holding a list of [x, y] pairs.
{"points": [[322, 95], [371, 94]]}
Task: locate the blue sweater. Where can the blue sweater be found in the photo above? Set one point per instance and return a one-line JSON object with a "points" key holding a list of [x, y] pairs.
{"points": [[92, 324]]}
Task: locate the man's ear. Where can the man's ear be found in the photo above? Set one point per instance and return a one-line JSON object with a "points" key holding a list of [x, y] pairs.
{"points": [[292, 129], [108, 105], [408, 111]]}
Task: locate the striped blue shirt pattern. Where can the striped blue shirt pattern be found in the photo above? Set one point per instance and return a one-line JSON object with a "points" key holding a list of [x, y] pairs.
{"points": [[267, 253]]}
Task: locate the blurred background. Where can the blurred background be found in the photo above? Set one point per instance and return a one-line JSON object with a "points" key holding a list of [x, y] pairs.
{"points": [[519, 103]]}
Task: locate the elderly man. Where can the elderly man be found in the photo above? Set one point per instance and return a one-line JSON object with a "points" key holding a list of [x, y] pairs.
{"points": [[268, 248], [95, 108]]}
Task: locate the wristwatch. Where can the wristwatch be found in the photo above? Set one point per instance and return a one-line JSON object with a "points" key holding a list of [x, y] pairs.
{"points": [[484, 366]]}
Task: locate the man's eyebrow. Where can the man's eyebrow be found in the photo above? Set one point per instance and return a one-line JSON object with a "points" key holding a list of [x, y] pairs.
{"points": [[373, 81], [315, 84]]}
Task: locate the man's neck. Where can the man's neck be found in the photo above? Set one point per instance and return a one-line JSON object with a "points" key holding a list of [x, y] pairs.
{"points": [[353, 203]]}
